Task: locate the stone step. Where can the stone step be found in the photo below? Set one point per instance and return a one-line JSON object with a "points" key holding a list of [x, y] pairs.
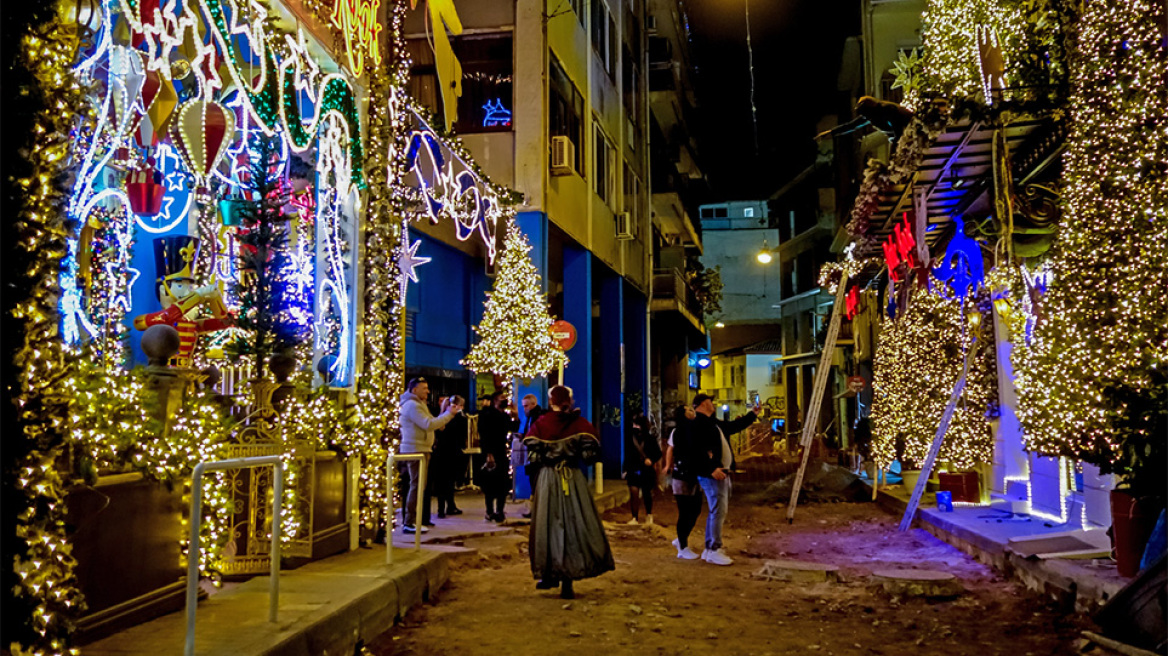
{"points": [[795, 570], [918, 582]]}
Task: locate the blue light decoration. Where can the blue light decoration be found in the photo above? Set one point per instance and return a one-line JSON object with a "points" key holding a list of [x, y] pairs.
{"points": [[177, 200], [449, 187], [495, 114], [962, 268]]}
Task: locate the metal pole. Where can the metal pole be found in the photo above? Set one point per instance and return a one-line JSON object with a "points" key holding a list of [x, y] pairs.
{"points": [[193, 555], [196, 521], [389, 468], [418, 525], [277, 524]]}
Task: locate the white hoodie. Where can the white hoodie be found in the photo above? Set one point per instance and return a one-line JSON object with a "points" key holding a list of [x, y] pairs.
{"points": [[418, 425]]}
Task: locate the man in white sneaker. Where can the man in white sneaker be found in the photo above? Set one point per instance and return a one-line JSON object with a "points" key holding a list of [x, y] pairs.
{"points": [[714, 461], [417, 436]]}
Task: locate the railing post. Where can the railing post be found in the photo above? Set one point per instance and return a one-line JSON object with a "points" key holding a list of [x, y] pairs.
{"points": [[389, 469], [277, 525], [196, 521]]}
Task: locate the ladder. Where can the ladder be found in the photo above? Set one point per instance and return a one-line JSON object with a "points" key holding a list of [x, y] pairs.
{"points": [[811, 419]]}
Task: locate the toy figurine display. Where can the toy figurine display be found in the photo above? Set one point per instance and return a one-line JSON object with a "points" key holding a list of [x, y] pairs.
{"points": [[174, 261]]}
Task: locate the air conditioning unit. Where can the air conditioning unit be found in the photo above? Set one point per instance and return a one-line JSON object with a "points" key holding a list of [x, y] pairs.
{"points": [[563, 156], [624, 225]]}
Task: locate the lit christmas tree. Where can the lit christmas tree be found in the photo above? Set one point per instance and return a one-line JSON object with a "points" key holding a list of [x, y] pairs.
{"points": [[515, 334], [1092, 381], [918, 361]]}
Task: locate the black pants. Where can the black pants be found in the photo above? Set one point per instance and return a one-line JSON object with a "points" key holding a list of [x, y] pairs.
{"points": [[413, 471], [496, 485], [689, 507], [442, 475]]}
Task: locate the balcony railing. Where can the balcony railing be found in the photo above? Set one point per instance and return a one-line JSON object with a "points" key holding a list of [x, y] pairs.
{"points": [[671, 292]]}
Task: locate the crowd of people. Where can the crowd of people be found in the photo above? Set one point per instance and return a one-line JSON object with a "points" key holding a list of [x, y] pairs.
{"points": [[567, 540]]}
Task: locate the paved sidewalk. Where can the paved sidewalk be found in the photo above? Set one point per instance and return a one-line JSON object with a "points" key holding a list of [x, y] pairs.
{"points": [[327, 606], [984, 532]]}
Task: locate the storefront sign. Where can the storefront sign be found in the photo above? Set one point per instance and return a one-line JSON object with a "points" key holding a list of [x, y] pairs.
{"points": [[357, 21], [564, 335], [856, 384]]}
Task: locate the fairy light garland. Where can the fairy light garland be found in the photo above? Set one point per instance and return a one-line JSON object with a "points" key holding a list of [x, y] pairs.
{"points": [[1102, 338]]}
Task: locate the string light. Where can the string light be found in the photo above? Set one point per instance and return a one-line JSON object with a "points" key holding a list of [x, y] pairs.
{"points": [[515, 337], [1092, 379]]}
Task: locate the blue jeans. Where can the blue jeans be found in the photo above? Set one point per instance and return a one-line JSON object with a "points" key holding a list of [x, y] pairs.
{"points": [[718, 500]]}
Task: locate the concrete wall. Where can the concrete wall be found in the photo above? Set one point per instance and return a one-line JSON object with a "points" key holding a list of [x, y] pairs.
{"points": [[889, 25], [750, 288]]}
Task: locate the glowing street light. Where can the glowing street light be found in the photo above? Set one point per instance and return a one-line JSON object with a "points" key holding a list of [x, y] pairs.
{"points": [[764, 255]]}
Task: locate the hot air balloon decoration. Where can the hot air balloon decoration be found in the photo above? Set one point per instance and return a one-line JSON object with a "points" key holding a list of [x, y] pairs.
{"points": [[158, 101], [145, 189], [202, 130]]}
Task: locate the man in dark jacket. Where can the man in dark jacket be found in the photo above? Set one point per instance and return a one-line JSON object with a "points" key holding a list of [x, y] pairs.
{"points": [[714, 462]]}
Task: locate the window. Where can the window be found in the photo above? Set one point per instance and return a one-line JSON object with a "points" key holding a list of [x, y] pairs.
{"points": [[776, 373], [748, 212], [487, 68], [604, 35], [566, 112], [604, 168], [632, 198]]}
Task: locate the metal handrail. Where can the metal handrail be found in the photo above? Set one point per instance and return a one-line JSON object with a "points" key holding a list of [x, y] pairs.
{"points": [[389, 469], [197, 521]]}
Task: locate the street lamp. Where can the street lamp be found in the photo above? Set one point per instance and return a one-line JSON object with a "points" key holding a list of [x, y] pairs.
{"points": [[719, 325], [764, 255]]}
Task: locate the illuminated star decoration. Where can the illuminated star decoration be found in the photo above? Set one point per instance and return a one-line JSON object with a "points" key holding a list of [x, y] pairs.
{"points": [[131, 277], [409, 260]]}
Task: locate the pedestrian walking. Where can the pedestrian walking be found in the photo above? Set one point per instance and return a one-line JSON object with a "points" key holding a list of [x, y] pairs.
{"points": [[680, 456], [642, 455], [567, 540], [417, 436], [447, 462], [715, 461], [496, 423]]}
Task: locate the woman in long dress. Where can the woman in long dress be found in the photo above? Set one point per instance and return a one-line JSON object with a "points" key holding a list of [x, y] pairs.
{"points": [[567, 540]]}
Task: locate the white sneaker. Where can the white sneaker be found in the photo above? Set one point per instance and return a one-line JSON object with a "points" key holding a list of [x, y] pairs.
{"points": [[632, 522], [686, 553], [717, 557], [648, 520]]}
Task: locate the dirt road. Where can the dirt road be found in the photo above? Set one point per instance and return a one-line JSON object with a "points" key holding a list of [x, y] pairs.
{"points": [[656, 604]]}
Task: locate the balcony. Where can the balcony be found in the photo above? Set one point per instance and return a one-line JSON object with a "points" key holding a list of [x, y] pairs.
{"points": [[671, 293]]}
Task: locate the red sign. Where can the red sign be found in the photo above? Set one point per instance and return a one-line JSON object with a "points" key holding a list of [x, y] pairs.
{"points": [[564, 334], [856, 384]]}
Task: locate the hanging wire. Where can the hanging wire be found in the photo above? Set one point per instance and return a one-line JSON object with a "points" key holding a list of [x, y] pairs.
{"points": [[750, 59]]}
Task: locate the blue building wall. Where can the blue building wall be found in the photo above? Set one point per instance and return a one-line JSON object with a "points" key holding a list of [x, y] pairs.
{"points": [[446, 302]]}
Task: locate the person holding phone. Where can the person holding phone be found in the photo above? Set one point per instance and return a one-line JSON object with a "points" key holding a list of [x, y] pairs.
{"points": [[417, 436]]}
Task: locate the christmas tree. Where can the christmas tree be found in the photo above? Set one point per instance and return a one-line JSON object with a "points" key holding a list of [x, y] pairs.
{"points": [[919, 359], [272, 299], [1092, 380], [515, 334]]}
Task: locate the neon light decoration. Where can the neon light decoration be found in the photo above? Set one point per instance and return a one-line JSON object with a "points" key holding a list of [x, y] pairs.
{"points": [[496, 115], [449, 187], [357, 20], [962, 268], [409, 260]]}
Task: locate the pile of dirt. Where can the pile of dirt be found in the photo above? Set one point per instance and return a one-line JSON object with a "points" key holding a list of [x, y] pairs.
{"points": [[822, 483]]}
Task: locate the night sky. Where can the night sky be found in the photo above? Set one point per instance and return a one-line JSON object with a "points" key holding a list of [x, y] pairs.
{"points": [[797, 46]]}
